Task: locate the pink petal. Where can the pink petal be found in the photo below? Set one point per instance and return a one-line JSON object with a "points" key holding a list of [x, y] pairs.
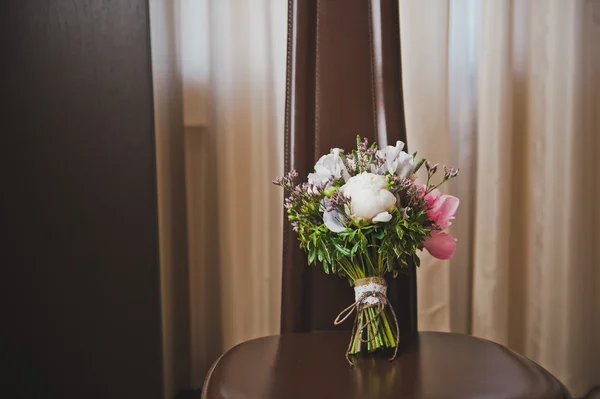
{"points": [[444, 210], [440, 245], [433, 197], [447, 205]]}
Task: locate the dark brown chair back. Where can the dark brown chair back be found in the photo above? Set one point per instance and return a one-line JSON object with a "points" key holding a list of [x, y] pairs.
{"points": [[343, 79]]}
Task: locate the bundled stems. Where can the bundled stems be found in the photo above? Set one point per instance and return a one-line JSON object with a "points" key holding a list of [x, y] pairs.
{"points": [[372, 330], [377, 335]]}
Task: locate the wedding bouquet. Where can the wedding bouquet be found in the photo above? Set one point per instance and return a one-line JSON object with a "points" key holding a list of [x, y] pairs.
{"points": [[362, 215]]}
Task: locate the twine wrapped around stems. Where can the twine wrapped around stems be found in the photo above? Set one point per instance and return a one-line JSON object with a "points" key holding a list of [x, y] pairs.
{"points": [[373, 296]]}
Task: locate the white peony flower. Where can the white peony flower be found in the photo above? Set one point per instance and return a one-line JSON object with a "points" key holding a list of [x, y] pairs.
{"points": [[328, 166], [397, 162], [382, 217], [370, 199]]}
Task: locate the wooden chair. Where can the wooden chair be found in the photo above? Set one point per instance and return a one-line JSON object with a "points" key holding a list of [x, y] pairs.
{"points": [[343, 79]]}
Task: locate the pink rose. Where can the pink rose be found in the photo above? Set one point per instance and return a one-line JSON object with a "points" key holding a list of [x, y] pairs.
{"points": [[441, 211]]}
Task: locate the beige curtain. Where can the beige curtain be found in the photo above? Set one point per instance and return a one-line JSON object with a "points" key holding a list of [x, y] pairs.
{"points": [[506, 90], [233, 61], [509, 91]]}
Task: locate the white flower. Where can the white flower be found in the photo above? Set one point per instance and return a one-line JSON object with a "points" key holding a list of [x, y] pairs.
{"points": [[370, 199], [397, 162], [333, 221], [382, 217], [328, 166]]}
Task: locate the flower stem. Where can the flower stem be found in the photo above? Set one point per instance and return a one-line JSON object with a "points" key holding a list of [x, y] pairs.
{"points": [[375, 330], [374, 327], [384, 335], [372, 342], [388, 331]]}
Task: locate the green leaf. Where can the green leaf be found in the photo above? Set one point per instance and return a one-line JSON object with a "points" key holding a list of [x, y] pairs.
{"points": [[311, 257], [399, 232], [416, 259], [326, 267], [309, 246], [326, 254], [419, 164], [355, 158], [354, 249], [380, 234], [343, 250]]}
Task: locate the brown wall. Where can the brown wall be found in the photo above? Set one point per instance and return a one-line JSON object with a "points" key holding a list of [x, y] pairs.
{"points": [[79, 206]]}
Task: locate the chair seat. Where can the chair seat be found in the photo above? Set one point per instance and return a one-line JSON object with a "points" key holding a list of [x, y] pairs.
{"points": [[430, 365]]}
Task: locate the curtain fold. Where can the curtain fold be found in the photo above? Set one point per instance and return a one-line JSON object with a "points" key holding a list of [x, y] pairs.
{"points": [[232, 155], [519, 86], [425, 80]]}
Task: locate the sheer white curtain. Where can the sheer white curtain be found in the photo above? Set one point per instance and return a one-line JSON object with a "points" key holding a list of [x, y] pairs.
{"points": [[233, 61], [509, 91]]}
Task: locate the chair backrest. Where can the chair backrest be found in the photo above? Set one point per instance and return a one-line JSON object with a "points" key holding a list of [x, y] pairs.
{"points": [[343, 79]]}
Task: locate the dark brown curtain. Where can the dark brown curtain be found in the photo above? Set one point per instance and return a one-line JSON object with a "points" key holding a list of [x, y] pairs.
{"points": [[343, 79]]}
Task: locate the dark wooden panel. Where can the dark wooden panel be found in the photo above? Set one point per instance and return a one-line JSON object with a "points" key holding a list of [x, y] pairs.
{"points": [[79, 207]]}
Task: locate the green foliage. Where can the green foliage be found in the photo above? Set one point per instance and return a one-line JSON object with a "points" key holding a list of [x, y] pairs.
{"points": [[362, 249], [366, 250]]}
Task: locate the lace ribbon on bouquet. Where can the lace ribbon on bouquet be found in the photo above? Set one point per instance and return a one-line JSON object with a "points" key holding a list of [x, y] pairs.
{"points": [[370, 292]]}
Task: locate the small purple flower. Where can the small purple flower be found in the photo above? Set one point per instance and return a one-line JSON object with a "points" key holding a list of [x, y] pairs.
{"points": [[364, 145], [294, 226], [406, 183], [431, 168], [450, 173]]}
